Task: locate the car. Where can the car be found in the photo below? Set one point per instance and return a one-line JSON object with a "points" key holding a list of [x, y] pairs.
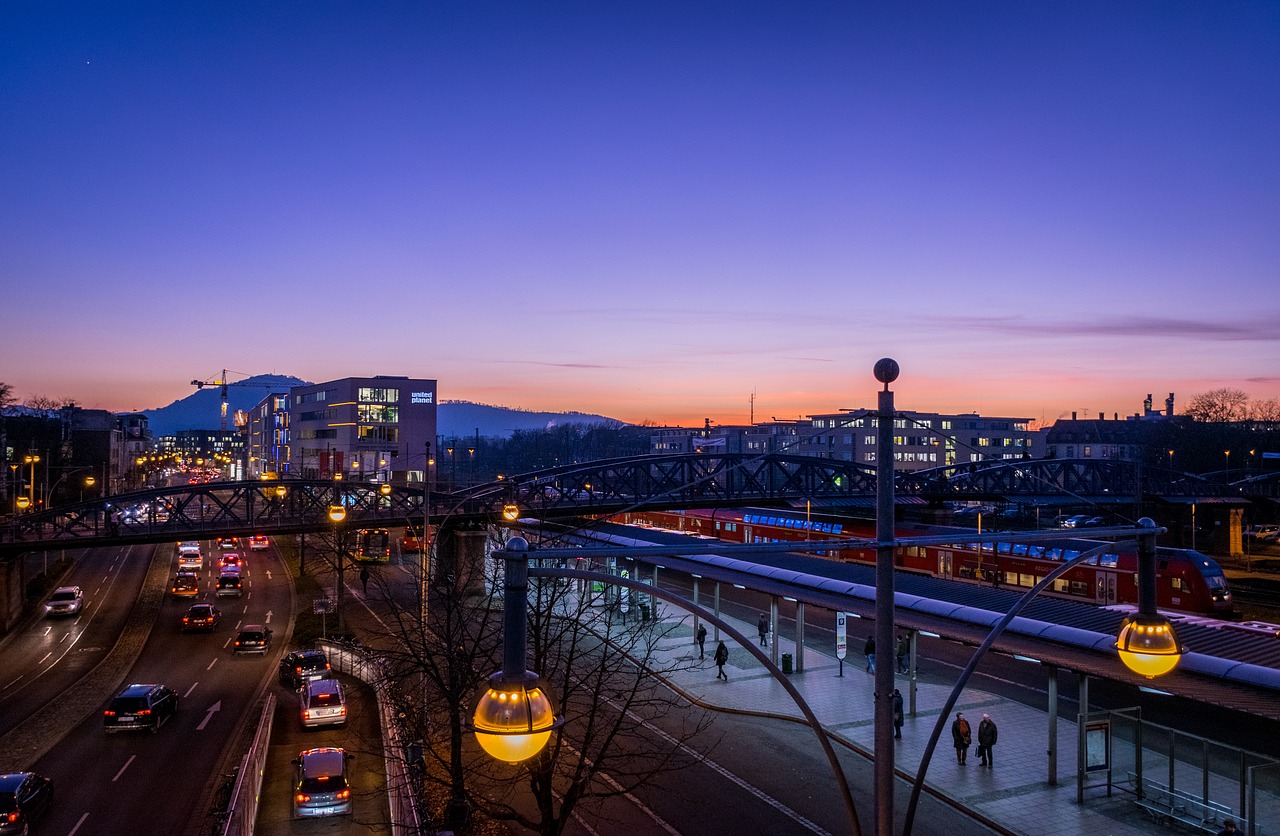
{"points": [[321, 785], [190, 560], [1074, 522], [229, 583], [258, 542], [140, 706], [252, 638], [321, 703], [303, 666], [228, 542], [1264, 532], [185, 584], [202, 617], [189, 547], [230, 559], [1093, 522], [65, 600], [24, 796]]}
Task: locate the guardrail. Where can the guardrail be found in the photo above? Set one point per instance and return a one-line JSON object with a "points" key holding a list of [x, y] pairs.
{"points": [[400, 764], [241, 809]]}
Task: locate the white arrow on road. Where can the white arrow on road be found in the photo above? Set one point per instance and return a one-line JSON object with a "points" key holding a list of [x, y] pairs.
{"points": [[268, 621], [213, 709], [268, 574]]}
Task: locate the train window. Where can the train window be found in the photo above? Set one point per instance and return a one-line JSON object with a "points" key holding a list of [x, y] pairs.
{"points": [[1070, 554], [1019, 548], [1079, 588], [1216, 581], [1003, 548], [838, 528], [967, 571], [1110, 560], [1062, 585], [1024, 579], [1053, 554], [1179, 585]]}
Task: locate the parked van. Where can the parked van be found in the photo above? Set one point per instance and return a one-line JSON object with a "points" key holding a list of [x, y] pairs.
{"points": [[322, 704]]}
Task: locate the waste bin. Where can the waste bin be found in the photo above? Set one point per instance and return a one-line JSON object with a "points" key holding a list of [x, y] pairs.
{"points": [[786, 663]]}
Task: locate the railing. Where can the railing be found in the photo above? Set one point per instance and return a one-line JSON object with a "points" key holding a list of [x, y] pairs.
{"points": [[242, 808]]}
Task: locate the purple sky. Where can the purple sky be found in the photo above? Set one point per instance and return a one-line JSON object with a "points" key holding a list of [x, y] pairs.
{"points": [[646, 210]]}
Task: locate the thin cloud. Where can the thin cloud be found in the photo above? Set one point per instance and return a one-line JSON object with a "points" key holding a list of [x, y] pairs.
{"points": [[1257, 331]]}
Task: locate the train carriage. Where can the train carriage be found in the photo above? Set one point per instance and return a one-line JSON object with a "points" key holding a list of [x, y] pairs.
{"points": [[1186, 580]]}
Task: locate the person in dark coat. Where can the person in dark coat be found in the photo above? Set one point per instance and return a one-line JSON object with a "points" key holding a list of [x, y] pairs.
{"points": [[869, 650], [701, 639], [722, 656], [904, 653], [987, 733], [961, 736], [763, 626], [897, 714], [1228, 828]]}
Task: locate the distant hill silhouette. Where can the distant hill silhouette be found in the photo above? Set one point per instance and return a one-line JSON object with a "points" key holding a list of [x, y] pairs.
{"points": [[201, 411]]}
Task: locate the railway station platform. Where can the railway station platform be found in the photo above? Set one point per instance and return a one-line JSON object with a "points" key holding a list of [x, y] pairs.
{"points": [[1013, 797]]}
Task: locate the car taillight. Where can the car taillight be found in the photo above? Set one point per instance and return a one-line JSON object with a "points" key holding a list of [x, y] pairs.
{"points": [[302, 798], [306, 715], [108, 713], [342, 710], [343, 794], [143, 713], [13, 817]]}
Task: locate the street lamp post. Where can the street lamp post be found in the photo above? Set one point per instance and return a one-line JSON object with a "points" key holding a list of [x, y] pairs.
{"points": [[886, 371], [1227, 455], [514, 719], [31, 460]]}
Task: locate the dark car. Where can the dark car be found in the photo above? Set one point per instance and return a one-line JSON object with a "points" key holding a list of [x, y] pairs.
{"points": [[303, 666], [140, 706], [228, 542], [202, 617], [253, 638], [321, 785], [23, 797]]}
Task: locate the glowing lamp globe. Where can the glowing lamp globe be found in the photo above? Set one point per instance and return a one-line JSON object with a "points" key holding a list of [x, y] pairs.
{"points": [[514, 720], [1147, 645], [23, 503], [384, 489], [337, 513], [510, 512]]}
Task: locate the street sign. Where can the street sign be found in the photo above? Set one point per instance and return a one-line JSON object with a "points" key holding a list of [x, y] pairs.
{"points": [[842, 640], [322, 606]]}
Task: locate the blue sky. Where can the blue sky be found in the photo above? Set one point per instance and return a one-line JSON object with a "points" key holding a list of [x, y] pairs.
{"points": [[646, 210]]}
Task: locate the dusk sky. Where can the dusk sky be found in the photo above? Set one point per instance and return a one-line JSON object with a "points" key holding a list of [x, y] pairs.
{"points": [[645, 210]]}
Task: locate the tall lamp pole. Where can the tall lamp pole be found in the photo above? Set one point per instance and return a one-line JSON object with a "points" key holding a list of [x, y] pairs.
{"points": [[886, 371], [424, 544]]}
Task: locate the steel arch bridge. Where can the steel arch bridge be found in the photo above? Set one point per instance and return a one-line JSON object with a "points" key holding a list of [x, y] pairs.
{"points": [[587, 489]]}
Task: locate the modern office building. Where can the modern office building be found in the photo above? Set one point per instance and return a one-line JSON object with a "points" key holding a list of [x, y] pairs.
{"points": [[267, 437], [363, 428]]}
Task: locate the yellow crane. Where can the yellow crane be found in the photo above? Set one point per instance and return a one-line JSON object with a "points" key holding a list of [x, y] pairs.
{"points": [[222, 383]]}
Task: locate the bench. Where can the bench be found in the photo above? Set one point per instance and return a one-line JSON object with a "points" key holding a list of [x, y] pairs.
{"points": [[1168, 805]]}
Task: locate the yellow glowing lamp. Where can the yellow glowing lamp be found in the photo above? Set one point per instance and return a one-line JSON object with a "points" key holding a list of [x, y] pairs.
{"points": [[23, 503], [89, 481], [1147, 645], [384, 489], [140, 461], [281, 491], [337, 513], [514, 720], [511, 512]]}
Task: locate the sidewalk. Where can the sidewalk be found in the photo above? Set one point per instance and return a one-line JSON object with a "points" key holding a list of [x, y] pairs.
{"points": [[1014, 794]]}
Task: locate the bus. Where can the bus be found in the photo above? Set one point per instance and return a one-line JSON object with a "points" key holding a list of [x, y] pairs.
{"points": [[412, 539], [374, 546]]}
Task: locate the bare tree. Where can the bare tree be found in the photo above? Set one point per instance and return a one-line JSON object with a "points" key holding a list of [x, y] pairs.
{"points": [[6, 395], [46, 402], [1265, 411], [597, 665], [1219, 405]]}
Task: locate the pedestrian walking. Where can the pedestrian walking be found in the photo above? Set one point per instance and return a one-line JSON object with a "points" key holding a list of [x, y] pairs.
{"points": [[869, 650], [763, 626], [904, 652], [701, 639], [897, 714], [1228, 828], [987, 733], [722, 656], [961, 736], [364, 579]]}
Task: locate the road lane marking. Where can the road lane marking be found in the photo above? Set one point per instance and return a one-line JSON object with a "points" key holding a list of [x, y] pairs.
{"points": [[48, 630], [208, 715], [77, 827], [192, 688], [211, 664], [11, 683], [46, 656], [123, 768]]}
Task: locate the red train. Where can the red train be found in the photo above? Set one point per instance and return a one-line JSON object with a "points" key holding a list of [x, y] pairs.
{"points": [[1186, 580]]}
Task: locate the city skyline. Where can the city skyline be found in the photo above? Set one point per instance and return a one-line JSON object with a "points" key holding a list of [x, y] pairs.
{"points": [[647, 211]]}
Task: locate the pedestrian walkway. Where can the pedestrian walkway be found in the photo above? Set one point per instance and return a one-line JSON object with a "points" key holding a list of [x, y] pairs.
{"points": [[1015, 794]]}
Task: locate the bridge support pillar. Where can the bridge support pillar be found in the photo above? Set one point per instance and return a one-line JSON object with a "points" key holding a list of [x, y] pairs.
{"points": [[697, 622], [716, 609], [1053, 726], [460, 559], [13, 589], [773, 628]]}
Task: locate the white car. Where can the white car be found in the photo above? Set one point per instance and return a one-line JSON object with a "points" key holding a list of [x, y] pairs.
{"points": [[259, 542], [189, 547], [190, 560], [65, 600]]}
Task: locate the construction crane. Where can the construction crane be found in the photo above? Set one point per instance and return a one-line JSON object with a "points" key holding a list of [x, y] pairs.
{"points": [[223, 382]]}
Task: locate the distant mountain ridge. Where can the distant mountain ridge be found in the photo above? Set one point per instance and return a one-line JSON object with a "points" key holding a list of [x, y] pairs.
{"points": [[201, 411]]}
